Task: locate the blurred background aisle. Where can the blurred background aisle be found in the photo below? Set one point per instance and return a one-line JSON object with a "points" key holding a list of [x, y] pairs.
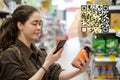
{"points": [[61, 20]]}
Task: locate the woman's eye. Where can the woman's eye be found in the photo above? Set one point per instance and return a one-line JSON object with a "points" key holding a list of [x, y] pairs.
{"points": [[34, 24]]}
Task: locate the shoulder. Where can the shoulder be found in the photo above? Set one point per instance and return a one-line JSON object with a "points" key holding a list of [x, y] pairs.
{"points": [[9, 53]]}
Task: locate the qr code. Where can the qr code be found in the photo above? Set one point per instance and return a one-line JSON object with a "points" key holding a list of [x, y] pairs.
{"points": [[95, 19]]}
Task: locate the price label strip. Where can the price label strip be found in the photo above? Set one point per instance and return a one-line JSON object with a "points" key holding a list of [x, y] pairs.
{"points": [[99, 57], [112, 58]]}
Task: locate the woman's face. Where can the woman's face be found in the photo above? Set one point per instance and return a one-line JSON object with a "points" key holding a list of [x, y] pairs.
{"points": [[32, 27]]}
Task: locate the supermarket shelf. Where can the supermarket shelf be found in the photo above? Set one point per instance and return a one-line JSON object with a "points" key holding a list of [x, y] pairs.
{"points": [[108, 79], [115, 78], [3, 13], [106, 59], [114, 7]]}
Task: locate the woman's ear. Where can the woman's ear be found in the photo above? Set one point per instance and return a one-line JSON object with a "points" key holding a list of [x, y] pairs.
{"points": [[20, 25]]}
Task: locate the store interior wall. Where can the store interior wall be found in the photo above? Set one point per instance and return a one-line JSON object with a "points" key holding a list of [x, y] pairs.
{"points": [[73, 45]]}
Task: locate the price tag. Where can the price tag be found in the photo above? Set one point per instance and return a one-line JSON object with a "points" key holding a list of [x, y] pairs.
{"points": [[100, 78], [99, 57], [112, 58], [118, 33], [46, 4]]}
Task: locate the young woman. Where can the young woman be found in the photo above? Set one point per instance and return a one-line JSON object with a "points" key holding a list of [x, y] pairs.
{"points": [[29, 63]]}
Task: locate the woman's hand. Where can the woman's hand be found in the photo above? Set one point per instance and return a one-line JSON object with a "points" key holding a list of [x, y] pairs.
{"points": [[51, 58], [83, 65]]}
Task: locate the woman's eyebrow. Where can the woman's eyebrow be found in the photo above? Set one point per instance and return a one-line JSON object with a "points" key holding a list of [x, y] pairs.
{"points": [[38, 21]]}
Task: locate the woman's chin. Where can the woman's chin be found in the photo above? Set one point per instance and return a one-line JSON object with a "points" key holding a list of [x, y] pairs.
{"points": [[35, 39]]}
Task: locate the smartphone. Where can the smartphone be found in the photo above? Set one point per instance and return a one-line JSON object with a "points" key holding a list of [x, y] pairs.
{"points": [[59, 46]]}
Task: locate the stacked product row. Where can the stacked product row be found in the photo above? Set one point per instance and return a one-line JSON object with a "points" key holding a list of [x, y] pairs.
{"points": [[106, 45]]}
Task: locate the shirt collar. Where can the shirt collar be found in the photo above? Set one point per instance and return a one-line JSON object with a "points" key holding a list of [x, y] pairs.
{"points": [[25, 50]]}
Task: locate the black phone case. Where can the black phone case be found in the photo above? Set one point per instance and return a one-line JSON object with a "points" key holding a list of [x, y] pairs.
{"points": [[60, 45]]}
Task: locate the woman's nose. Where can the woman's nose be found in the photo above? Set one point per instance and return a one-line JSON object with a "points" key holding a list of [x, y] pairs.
{"points": [[39, 26]]}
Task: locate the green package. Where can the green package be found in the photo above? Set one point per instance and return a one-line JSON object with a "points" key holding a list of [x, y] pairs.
{"points": [[99, 46], [112, 46]]}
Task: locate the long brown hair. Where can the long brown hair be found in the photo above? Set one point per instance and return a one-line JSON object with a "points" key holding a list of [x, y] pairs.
{"points": [[9, 30]]}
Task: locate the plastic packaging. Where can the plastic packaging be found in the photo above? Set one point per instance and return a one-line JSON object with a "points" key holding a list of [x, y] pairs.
{"points": [[76, 61]]}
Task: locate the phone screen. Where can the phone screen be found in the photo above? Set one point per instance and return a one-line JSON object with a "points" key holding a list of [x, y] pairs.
{"points": [[59, 45]]}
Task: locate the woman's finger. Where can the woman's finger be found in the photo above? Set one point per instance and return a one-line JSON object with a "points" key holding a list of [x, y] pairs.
{"points": [[90, 54], [86, 57], [79, 65], [82, 62], [53, 50], [60, 51]]}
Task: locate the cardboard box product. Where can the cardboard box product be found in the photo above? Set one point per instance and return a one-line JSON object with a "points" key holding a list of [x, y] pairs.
{"points": [[99, 46], [112, 46]]}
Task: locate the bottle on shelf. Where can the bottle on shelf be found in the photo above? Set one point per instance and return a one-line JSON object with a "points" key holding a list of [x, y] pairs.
{"points": [[110, 73], [104, 71]]}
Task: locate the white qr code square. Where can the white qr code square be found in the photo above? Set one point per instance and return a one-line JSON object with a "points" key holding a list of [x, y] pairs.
{"points": [[95, 18], [84, 29]]}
